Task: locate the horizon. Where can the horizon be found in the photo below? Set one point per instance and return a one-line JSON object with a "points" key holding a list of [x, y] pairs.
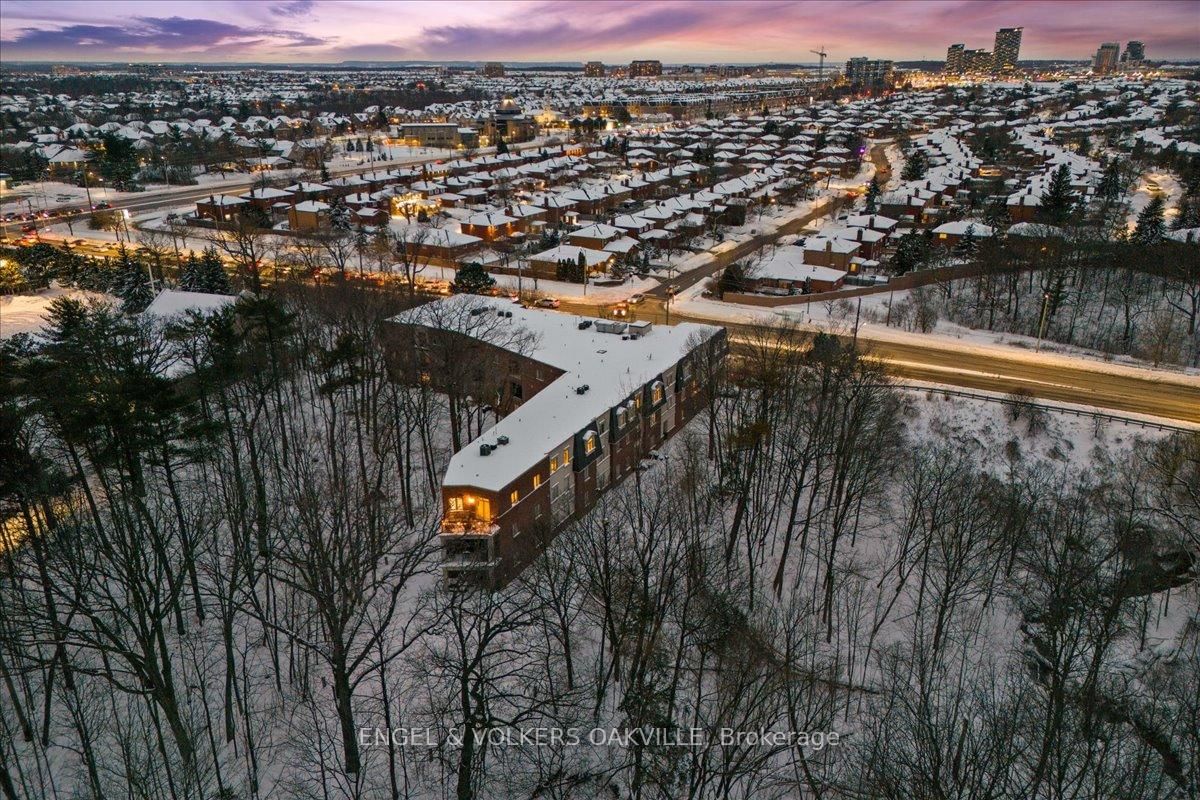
{"points": [[324, 32]]}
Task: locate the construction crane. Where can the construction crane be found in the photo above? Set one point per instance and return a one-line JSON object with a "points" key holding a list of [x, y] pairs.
{"points": [[821, 66]]}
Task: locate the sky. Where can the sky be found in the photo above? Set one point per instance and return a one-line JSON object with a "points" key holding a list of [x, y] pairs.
{"points": [[674, 31]]}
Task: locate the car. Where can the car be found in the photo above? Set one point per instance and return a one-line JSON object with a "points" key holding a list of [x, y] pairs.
{"points": [[636, 298], [102, 205], [548, 302], [672, 289], [620, 310]]}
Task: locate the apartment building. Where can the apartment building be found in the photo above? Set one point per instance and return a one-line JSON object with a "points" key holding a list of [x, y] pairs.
{"points": [[647, 68], [583, 402]]}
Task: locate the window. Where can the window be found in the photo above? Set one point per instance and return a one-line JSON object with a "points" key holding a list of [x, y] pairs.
{"points": [[537, 480], [589, 442], [517, 391], [637, 400], [656, 392], [553, 463], [514, 497], [566, 456], [456, 504]]}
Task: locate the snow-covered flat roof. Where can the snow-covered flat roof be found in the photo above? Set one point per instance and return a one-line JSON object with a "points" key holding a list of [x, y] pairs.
{"points": [[171, 302], [612, 368]]}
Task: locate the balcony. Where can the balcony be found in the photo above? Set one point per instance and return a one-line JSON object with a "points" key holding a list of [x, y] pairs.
{"points": [[466, 523]]}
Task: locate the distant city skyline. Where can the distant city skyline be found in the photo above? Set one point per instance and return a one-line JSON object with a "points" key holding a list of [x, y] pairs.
{"points": [[754, 31]]}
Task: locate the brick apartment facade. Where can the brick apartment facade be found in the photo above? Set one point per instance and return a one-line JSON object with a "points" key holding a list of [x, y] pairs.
{"points": [[578, 412]]}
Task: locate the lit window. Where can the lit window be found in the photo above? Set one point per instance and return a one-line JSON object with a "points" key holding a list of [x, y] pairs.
{"points": [[514, 497], [537, 480], [456, 504], [637, 401], [589, 442], [656, 393], [566, 457], [553, 463]]}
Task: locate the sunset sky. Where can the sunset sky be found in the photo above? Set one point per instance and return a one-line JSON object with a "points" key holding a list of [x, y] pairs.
{"points": [[536, 30]]}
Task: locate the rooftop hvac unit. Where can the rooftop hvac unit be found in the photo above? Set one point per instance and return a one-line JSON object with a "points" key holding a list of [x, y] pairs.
{"points": [[609, 326], [501, 440], [585, 324], [485, 449]]}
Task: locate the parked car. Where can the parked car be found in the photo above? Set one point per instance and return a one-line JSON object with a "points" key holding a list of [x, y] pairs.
{"points": [[636, 298], [548, 302]]}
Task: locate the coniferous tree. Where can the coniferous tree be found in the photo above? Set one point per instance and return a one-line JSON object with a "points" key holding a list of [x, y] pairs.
{"points": [[1058, 200], [213, 277], [873, 192], [12, 280], [501, 147], [911, 253], [1109, 188], [1151, 227], [968, 245], [131, 283], [472, 278], [189, 276], [1188, 216], [915, 167], [733, 279]]}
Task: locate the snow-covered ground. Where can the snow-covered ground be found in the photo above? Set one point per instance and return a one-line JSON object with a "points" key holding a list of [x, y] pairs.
{"points": [[1139, 197], [27, 313]]}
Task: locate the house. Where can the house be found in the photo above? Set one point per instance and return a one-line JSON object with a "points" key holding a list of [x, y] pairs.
{"points": [[949, 234], [489, 225], [309, 215], [583, 402], [876, 222], [787, 273], [594, 236], [870, 242], [220, 208], [442, 244], [828, 252], [265, 197], [545, 264]]}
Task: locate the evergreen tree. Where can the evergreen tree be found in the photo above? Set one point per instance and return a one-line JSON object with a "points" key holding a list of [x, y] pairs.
{"points": [[472, 278], [213, 277], [968, 245], [501, 147], [339, 216], [996, 213], [915, 166], [581, 267], [1189, 215], [911, 253], [1109, 188], [733, 279], [1058, 200], [12, 280], [873, 192], [131, 283], [1151, 228], [189, 276]]}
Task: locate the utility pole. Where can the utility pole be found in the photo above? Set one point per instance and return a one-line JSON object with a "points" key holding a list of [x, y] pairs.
{"points": [[1042, 322]]}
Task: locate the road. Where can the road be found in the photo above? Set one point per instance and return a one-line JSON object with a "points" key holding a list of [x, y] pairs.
{"points": [[1126, 390]]}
